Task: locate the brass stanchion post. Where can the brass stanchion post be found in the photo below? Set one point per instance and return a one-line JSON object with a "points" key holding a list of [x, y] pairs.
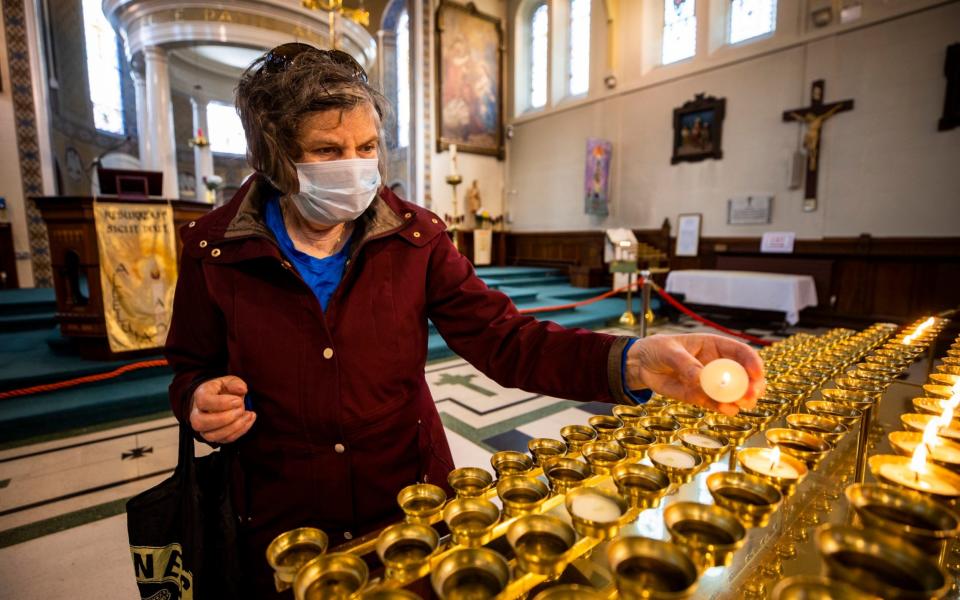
{"points": [[645, 308]]}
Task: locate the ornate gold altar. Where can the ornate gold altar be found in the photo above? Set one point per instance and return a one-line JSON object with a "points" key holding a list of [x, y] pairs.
{"points": [[842, 483]]}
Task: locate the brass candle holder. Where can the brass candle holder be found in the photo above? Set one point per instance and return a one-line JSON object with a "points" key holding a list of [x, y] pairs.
{"points": [[521, 494], [643, 486], [648, 569], [710, 532], [925, 523], [576, 436], [630, 415], [780, 405], [384, 592], [687, 415], [735, 429], [470, 573], [565, 474], [847, 415], [944, 453], [865, 403], [470, 482], [635, 441], [422, 503], [952, 369], [708, 444], [759, 416], [828, 429], [541, 544], [679, 463], [751, 498], [605, 426], [664, 427], [471, 520], [510, 462], [405, 550], [783, 471], [545, 448], [934, 481], [944, 379], [919, 422], [336, 575], [856, 384], [815, 587], [570, 591], [938, 390], [807, 447], [289, 551], [880, 564], [597, 513], [655, 405], [930, 406], [603, 456]]}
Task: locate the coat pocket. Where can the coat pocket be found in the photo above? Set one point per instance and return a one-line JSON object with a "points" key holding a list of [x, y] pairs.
{"points": [[435, 460]]}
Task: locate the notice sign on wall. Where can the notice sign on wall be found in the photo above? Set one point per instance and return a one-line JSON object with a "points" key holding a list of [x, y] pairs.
{"points": [[778, 242], [138, 272], [749, 210]]}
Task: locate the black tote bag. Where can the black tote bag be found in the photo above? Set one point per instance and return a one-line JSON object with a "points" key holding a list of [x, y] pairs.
{"points": [[183, 532]]}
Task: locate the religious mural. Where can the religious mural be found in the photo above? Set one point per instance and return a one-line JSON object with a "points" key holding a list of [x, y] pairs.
{"points": [[597, 180], [469, 101]]}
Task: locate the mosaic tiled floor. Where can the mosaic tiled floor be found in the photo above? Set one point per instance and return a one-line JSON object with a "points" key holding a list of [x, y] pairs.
{"points": [[62, 527]]}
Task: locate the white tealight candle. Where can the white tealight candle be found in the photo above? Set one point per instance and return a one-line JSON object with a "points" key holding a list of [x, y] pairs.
{"points": [[595, 508], [768, 463], [673, 457], [704, 441], [724, 380]]}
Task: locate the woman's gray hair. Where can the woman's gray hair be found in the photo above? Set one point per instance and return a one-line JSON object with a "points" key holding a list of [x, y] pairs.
{"points": [[273, 104]]}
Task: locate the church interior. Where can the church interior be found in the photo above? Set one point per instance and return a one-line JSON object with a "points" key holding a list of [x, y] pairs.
{"points": [[778, 172]]}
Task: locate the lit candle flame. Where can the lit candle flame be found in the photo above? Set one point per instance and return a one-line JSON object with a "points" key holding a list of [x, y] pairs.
{"points": [[774, 458], [930, 437], [918, 462], [725, 378]]}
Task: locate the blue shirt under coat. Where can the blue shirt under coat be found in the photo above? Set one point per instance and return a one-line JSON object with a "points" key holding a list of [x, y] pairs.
{"points": [[322, 275]]}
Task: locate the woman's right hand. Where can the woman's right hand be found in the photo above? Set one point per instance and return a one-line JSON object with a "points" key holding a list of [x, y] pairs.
{"points": [[217, 412]]}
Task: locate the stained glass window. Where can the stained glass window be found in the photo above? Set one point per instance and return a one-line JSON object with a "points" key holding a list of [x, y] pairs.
{"points": [[226, 131], [539, 27], [679, 30], [403, 80], [752, 18], [103, 68], [579, 58]]}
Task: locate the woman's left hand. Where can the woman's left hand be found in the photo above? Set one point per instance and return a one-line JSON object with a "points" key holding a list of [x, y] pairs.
{"points": [[670, 365]]}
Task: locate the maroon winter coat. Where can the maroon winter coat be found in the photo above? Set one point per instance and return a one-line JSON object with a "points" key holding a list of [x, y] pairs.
{"points": [[344, 415]]}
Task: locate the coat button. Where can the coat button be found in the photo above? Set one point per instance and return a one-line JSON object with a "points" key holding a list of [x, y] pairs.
{"points": [[328, 353], [215, 252], [192, 224], [347, 535], [407, 215], [339, 449], [286, 265], [416, 234], [434, 221], [203, 243]]}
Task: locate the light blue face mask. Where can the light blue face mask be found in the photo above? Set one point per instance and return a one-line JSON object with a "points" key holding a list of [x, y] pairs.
{"points": [[336, 191]]}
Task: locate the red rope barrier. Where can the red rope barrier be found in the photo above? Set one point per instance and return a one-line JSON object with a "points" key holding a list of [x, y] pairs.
{"points": [[147, 364], [49, 387]]}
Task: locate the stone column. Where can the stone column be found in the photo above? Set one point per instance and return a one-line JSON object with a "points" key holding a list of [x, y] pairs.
{"points": [[144, 139], [163, 154], [387, 72], [202, 156]]}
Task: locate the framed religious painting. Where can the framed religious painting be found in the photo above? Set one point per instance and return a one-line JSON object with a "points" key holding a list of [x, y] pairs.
{"points": [[698, 129], [469, 80]]}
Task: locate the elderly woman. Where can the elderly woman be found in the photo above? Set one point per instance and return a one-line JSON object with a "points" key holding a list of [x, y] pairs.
{"points": [[300, 320]]}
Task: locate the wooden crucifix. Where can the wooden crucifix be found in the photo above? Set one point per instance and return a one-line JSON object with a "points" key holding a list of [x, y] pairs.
{"points": [[814, 116]]}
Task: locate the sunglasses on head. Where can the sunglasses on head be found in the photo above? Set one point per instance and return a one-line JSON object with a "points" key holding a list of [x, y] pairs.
{"points": [[281, 57]]}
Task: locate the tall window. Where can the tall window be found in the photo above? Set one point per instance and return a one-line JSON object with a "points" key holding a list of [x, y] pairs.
{"points": [[103, 68], [579, 49], [539, 28], [226, 131], [752, 18], [403, 80], [679, 30]]}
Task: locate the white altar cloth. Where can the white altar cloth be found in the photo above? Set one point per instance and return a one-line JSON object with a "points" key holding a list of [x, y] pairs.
{"points": [[746, 289]]}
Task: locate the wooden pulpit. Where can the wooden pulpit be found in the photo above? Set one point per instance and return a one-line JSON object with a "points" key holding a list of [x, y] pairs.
{"points": [[76, 268]]}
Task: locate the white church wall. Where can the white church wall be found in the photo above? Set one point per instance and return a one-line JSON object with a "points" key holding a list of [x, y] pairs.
{"points": [[885, 169]]}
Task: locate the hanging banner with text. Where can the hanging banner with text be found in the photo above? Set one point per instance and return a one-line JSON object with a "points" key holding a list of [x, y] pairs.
{"points": [[138, 272]]}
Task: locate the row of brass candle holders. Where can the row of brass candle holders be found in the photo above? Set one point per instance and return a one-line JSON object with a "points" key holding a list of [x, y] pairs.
{"points": [[608, 448]]}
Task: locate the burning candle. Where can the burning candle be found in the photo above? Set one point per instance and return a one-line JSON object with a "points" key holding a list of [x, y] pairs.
{"points": [[924, 480], [724, 380], [766, 461], [669, 456], [453, 159], [595, 508]]}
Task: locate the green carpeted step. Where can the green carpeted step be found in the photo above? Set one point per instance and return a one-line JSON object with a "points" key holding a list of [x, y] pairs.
{"points": [[509, 272], [27, 301], [42, 414], [26, 322]]}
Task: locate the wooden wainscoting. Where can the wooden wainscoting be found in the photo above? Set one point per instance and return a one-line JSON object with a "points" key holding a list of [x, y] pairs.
{"points": [[859, 280]]}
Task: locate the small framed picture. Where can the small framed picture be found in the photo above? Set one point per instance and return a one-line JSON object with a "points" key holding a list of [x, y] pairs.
{"points": [[698, 129], [688, 234]]}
